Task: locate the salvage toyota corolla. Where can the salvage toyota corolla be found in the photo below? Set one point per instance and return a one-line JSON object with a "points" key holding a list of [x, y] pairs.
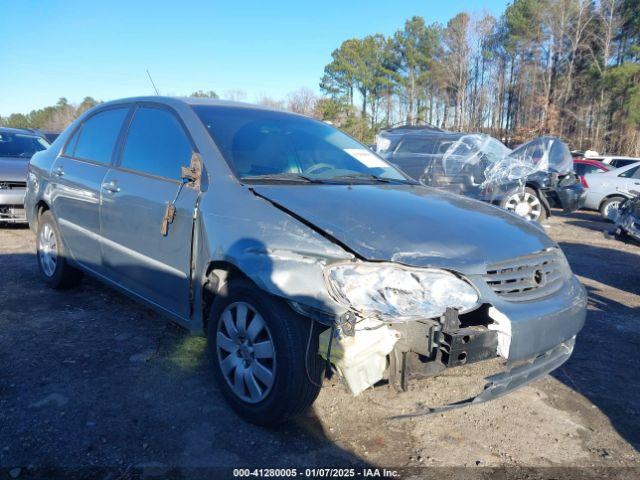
{"points": [[296, 250]]}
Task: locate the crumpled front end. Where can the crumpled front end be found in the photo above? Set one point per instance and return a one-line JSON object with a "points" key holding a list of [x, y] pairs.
{"points": [[528, 314]]}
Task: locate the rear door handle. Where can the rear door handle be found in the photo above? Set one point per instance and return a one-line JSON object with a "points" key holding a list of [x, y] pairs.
{"points": [[58, 172], [111, 186]]}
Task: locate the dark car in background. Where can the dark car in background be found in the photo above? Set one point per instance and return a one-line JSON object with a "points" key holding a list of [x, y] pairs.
{"points": [[527, 181], [17, 146]]}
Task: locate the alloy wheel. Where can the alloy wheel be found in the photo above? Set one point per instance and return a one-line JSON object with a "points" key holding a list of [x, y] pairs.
{"points": [[611, 210], [525, 205], [246, 352], [48, 250]]}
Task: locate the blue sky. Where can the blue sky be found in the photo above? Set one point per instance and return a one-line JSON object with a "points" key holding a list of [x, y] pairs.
{"points": [[68, 48]]}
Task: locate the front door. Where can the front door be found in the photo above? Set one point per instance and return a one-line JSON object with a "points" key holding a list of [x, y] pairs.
{"points": [[137, 253]]}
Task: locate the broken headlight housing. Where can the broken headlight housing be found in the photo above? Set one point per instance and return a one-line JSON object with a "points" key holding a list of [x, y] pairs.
{"points": [[395, 293]]}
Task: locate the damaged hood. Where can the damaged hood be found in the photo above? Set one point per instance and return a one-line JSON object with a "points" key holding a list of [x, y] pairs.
{"points": [[412, 225]]}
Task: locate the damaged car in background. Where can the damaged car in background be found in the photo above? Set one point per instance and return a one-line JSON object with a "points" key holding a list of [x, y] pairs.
{"points": [[527, 181], [627, 218], [294, 249]]}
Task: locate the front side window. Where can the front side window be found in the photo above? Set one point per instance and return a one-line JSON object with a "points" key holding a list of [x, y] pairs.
{"points": [[262, 144], [97, 136], [156, 144], [21, 145]]}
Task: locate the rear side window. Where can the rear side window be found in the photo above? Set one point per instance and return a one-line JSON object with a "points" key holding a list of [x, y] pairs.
{"points": [[97, 136], [631, 173], [156, 144]]}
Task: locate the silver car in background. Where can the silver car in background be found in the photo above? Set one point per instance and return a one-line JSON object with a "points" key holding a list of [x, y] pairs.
{"points": [[606, 191], [293, 247], [17, 146]]}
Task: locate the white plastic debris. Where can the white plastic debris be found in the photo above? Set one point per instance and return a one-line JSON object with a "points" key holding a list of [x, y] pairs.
{"points": [[361, 360]]}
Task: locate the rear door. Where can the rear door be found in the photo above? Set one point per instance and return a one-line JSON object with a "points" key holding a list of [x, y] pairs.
{"points": [[137, 190], [77, 176]]}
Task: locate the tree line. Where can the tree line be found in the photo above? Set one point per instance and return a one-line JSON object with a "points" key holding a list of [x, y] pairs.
{"points": [[569, 68]]}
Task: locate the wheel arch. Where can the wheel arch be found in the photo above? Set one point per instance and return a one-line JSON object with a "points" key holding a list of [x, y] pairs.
{"points": [[609, 196], [540, 194], [218, 274], [40, 207]]}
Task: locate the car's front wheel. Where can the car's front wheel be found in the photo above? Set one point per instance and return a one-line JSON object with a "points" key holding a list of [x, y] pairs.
{"points": [[52, 258], [526, 204], [261, 362]]}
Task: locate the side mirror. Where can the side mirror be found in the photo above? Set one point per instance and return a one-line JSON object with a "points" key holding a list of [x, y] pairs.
{"points": [[192, 174]]}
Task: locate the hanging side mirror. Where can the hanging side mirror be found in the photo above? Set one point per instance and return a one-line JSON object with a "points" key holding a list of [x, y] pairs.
{"points": [[192, 174]]}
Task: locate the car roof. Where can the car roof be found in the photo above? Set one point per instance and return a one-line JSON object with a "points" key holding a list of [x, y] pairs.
{"points": [[623, 169], [617, 157], [191, 101], [591, 161], [22, 131]]}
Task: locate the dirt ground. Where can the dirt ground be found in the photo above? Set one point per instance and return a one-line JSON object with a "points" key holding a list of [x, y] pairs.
{"points": [[89, 378]]}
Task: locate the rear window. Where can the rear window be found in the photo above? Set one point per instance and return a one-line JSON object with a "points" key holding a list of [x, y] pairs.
{"points": [[21, 145], [419, 145], [97, 136]]}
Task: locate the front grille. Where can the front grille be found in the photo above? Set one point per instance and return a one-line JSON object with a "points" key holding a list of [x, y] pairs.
{"points": [[4, 185], [529, 277]]}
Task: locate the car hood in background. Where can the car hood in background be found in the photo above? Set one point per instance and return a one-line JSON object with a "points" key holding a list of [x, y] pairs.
{"points": [[13, 169], [412, 225]]}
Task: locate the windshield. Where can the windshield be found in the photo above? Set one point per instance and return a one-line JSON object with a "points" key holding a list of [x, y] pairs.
{"points": [[20, 145], [278, 146]]}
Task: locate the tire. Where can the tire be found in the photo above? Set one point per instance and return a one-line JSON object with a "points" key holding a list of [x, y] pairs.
{"points": [[606, 208], [534, 208], [51, 254], [289, 391]]}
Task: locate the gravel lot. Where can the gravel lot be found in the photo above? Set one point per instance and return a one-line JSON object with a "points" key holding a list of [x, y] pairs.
{"points": [[90, 378]]}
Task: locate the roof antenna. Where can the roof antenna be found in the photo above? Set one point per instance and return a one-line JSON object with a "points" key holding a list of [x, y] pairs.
{"points": [[154, 85]]}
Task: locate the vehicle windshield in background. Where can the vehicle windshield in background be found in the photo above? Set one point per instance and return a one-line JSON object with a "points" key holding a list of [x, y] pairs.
{"points": [[21, 145], [263, 145]]}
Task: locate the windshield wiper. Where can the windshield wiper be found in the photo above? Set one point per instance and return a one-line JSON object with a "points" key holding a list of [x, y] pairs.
{"points": [[367, 177], [280, 177]]}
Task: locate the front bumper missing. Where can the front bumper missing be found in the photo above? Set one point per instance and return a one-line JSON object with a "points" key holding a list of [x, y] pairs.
{"points": [[517, 375]]}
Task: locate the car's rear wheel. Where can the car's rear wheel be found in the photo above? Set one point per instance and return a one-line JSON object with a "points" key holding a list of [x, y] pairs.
{"points": [[526, 204], [609, 208], [52, 258], [258, 347]]}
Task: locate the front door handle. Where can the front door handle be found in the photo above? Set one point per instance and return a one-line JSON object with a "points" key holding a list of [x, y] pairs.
{"points": [[58, 172], [111, 187]]}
